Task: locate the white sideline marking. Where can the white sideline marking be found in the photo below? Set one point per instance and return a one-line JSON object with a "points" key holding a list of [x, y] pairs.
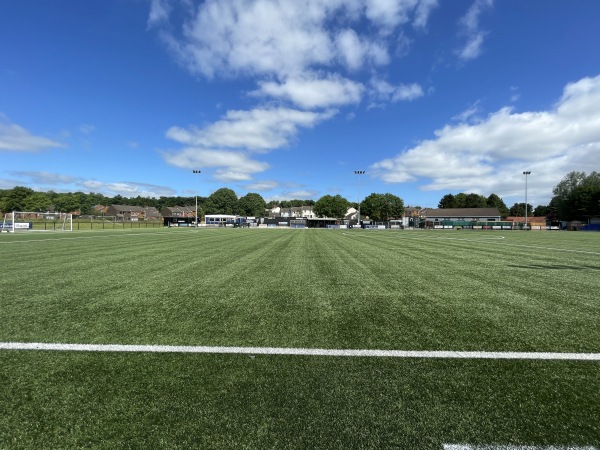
{"points": [[299, 351], [515, 447]]}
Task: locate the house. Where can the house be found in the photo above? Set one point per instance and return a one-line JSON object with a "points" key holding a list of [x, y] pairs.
{"points": [[133, 213], [151, 213], [126, 212]]}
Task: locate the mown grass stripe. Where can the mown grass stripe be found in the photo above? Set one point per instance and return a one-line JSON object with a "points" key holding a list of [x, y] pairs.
{"points": [[299, 351]]}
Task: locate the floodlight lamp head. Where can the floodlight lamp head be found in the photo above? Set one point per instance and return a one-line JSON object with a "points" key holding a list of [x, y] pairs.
{"points": [[196, 171], [359, 172], [528, 172]]}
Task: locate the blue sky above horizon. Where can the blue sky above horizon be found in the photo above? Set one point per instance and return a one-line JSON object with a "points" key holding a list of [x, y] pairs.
{"points": [[288, 98]]}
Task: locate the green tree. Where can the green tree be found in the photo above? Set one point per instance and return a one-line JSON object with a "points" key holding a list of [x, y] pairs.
{"points": [[518, 210], [222, 201], [38, 201], [577, 196], [541, 211], [331, 206], [15, 199], [68, 202], [475, 201], [382, 207], [460, 200], [447, 201], [493, 201], [252, 204]]}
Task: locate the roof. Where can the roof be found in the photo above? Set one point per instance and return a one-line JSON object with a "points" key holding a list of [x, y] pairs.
{"points": [[127, 208], [178, 209], [461, 212]]}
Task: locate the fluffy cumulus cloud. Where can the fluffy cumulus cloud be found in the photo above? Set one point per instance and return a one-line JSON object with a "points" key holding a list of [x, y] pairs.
{"points": [[305, 57], [284, 37], [311, 91], [258, 130], [229, 165], [227, 144], [17, 139], [296, 49], [494, 151]]}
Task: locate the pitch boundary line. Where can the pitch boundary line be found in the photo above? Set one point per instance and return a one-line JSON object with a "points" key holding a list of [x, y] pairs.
{"points": [[439, 354]]}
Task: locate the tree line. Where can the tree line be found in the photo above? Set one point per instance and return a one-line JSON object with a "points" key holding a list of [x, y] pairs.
{"points": [[576, 197]]}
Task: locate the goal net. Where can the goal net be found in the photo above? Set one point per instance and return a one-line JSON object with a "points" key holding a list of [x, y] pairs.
{"points": [[37, 221]]}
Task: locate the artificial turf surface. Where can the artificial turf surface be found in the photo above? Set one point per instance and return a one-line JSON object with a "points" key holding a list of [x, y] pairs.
{"points": [[459, 290]]}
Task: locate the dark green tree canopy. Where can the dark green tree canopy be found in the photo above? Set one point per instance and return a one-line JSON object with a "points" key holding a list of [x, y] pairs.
{"points": [[382, 207], [222, 201], [14, 199], [541, 211], [252, 204], [493, 201], [447, 201], [38, 201], [577, 196], [473, 200], [463, 200], [331, 206], [518, 210]]}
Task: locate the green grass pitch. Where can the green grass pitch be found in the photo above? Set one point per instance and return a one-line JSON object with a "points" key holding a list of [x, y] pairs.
{"points": [[334, 289]]}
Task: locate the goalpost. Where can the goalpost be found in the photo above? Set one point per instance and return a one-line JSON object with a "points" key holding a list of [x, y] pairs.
{"points": [[37, 221]]}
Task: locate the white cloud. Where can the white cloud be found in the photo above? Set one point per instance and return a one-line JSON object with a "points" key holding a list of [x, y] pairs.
{"points": [[304, 53], [354, 52], [286, 38], [471, 114], [266, 185], [382, 90], [46, 178], [159, 12], [493, 152], [469, 24], [229, 165], [303, 194], [313, 92], [43, 181], [133, 189], [388, 13], [227, 143], [422, 12], [17, 139], [257, 130]]}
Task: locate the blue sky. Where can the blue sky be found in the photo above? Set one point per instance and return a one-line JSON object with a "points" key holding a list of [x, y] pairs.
{"points": [[288, 98]]}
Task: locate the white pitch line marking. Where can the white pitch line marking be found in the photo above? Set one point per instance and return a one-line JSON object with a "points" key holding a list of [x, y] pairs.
{"points": [[300, 351]]}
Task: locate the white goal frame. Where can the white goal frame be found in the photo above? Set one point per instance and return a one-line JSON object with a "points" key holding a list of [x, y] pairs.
{"points": [[16, 221]]}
